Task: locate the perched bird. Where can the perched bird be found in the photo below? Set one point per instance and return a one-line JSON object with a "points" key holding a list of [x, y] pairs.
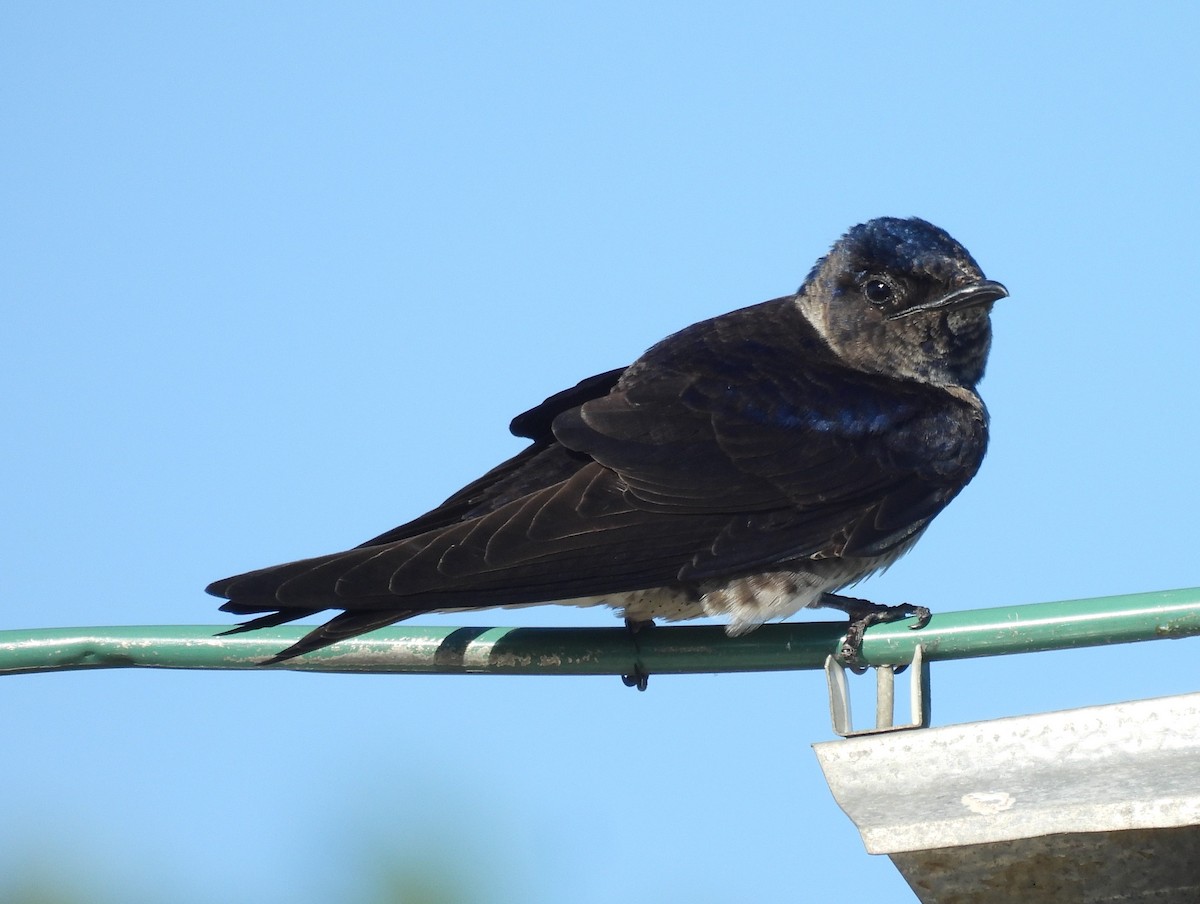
{"points": [[746, 466]]}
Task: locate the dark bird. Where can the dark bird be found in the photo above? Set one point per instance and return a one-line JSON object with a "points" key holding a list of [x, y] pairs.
{"points": [[747, 466]]}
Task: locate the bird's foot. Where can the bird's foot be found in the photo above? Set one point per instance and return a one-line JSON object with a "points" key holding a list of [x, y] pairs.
{"points": [[863, 614], [639, 678]]}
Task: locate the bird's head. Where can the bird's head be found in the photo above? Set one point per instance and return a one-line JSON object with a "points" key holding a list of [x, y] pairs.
{"points": [[900, 297]]}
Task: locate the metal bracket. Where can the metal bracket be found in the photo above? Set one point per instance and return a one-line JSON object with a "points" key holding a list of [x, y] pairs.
{"points": [[885, 697]]}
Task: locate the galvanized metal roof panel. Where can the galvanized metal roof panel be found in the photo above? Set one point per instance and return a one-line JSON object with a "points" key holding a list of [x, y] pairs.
{"points": [[1094, 804]]}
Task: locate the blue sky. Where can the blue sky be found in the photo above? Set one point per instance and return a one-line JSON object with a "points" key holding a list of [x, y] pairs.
{"points": [[276, 277]]}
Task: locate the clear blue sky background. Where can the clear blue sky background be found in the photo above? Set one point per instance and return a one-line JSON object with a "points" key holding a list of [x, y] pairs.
{"points": [[276, 276]]}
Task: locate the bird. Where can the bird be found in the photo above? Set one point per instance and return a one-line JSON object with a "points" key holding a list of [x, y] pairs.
{"points": [[748, 466]]}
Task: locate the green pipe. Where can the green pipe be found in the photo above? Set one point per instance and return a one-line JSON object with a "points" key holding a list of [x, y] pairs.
{"points": [[614, 651]]}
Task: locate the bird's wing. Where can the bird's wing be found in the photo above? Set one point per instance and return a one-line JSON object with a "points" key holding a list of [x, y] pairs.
{"points": [[720, 452], [671, 477], [580, 537], [767, 427], [794, 481]]}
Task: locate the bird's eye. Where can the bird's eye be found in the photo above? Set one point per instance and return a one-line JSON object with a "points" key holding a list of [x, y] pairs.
{"points": [[878, 291]]}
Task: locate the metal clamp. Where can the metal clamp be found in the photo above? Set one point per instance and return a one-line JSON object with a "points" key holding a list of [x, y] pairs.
{"points": [[885, 697]]}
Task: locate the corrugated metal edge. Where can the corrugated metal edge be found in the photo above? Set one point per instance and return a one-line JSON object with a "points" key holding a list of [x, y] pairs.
{"points": [[1103, 768]]}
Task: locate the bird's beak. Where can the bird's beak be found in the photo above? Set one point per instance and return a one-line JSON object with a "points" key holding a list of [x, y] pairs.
{"points": [[983, 292]]}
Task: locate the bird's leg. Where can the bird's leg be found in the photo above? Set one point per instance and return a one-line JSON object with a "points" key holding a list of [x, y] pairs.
{"points": [[640, 677], [863, 614]]}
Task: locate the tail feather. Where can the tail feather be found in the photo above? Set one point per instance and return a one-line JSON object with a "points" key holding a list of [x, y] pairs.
{"points": [[270, 620], [340, 627]]}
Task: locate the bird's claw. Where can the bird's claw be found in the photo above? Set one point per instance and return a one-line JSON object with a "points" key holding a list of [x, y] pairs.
{"points": [[920, 613], [863, 614], [638, 679]]}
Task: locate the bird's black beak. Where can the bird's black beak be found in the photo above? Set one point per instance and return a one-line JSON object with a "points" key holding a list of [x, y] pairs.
{"points": [[983, 292]]}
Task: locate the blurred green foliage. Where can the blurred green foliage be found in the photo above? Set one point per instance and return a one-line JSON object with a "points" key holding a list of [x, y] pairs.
{"points": [[408, 884], [376, 873]]}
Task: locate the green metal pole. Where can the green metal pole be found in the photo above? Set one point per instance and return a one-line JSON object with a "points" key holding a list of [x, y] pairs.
{"points": [[614, 651]]}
